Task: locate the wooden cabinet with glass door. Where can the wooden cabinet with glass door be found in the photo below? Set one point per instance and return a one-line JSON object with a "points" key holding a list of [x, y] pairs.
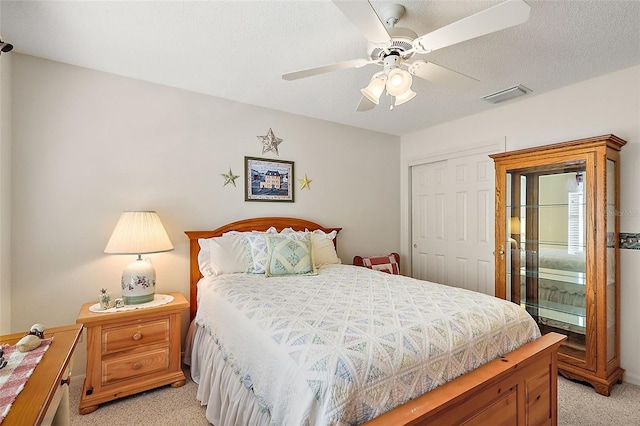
{"points": [[557, 249]]}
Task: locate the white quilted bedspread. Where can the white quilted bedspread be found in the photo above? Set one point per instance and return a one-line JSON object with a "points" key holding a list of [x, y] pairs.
{"points": [[348, 344]]}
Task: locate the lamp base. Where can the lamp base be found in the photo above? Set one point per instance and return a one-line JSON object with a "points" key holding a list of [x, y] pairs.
{"points": [[138, 282], [137, 300]]}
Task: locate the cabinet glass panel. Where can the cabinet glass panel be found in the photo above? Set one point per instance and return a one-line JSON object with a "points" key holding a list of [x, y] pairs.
{"points": [[546, 255], [611, 259]]}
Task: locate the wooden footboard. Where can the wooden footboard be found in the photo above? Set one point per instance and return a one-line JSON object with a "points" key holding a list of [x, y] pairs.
{"points": [[520, 388]]}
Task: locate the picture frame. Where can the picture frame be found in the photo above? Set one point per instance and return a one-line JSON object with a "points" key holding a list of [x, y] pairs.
{"points": [[268, 180]]}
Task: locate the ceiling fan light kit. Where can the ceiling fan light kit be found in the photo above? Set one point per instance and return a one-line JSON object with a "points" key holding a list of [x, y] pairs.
{"points": [[395, 80], [375, 87], [391, 47], [405, 97], [398, 82]]}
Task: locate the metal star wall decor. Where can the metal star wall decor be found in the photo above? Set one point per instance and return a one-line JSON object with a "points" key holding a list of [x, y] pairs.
{"points": [[270, 142], [229, 178], [305, 182]]}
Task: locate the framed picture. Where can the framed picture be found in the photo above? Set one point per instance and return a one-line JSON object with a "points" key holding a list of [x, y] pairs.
{"points": [[268, 180]]}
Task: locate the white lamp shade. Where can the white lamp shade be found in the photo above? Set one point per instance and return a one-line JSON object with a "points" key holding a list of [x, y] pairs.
{"points": [[514, 225], [138, 233], [406, 96], [374, 89], [398, 82]]}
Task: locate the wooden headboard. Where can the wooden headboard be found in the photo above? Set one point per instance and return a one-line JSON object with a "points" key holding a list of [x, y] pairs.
{"points": [[253, 224]]}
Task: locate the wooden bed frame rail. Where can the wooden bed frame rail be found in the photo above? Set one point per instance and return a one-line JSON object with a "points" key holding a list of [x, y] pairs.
{"points": [[520, 388]]}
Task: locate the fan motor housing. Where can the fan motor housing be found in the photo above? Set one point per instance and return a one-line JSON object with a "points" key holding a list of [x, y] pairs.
{"points": [[401, 42]]}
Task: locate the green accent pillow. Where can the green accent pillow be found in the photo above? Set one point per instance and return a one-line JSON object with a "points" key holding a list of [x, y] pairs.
{"points": [[289, 256]]}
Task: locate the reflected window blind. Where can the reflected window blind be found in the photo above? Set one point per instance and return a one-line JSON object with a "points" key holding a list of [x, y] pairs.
{"points": [[576, 223]]}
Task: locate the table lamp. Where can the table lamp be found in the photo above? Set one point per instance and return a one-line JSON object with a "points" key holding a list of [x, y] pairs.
{"points": [[139, 232]]}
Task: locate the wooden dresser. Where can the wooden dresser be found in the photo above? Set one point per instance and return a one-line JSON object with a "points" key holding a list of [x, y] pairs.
{"points": [[45, 398], [131, 351]]}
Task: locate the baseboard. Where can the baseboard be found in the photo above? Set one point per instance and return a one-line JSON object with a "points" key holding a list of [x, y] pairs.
{"points": [[634, 379]]}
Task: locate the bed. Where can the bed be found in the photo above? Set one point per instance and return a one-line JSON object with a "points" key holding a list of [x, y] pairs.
{"points": [[239, 371]]}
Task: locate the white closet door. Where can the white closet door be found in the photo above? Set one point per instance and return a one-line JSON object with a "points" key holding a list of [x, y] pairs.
{"points": [[453, 222], [428, 224]]}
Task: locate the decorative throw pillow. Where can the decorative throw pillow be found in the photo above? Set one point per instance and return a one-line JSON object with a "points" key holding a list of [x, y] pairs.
{"points": [[256, 251], [289, 256], [290, 232], [386, 264], [222, 255], [255, 248]]}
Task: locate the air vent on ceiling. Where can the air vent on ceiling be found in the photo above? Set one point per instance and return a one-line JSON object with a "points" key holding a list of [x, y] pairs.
{"points": [[505, 95]]}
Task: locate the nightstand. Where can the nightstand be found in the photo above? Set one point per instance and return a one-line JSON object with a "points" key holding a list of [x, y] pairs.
{"points": [[131, 351]]}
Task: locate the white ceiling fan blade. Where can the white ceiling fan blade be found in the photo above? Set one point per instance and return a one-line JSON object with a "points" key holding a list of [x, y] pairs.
{"points": [[442, 76], [365, 105], [354, 63], [365, 18], [496, 18]]}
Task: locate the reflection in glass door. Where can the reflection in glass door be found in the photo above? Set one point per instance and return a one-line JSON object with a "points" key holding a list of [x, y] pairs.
{"points": [[546, 237]]}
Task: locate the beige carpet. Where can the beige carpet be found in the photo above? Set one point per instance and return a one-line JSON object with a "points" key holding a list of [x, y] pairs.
{"points": [[161, 406], [578, 405]]}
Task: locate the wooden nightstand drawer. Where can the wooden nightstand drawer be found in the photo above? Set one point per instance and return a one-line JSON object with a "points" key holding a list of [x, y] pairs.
{"points": [[134, 335], [132, 365]]}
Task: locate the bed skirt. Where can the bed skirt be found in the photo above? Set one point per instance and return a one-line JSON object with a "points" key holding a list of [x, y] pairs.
{"points": [[228, 400]]}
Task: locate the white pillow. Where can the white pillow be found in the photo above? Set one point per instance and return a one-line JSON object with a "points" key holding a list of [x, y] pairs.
{"points": [[222, 255], [324, 252]]}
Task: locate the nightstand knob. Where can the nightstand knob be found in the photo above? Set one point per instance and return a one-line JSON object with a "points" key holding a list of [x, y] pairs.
{"points": [[137, 366], [137, 336]]}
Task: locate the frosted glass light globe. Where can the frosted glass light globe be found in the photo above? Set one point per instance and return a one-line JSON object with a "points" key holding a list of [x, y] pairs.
{"points": [[398, 82]]}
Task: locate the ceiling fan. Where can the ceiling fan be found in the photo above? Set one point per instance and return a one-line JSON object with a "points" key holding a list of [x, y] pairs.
{"points": [[392, 47]]}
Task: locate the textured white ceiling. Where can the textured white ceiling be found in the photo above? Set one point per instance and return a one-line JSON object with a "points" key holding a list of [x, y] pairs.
{"points": [[239, 49]]}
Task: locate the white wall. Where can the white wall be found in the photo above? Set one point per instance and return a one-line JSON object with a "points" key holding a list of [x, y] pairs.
{"points": [[608, 104], [88, 145], [5, 193]]}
